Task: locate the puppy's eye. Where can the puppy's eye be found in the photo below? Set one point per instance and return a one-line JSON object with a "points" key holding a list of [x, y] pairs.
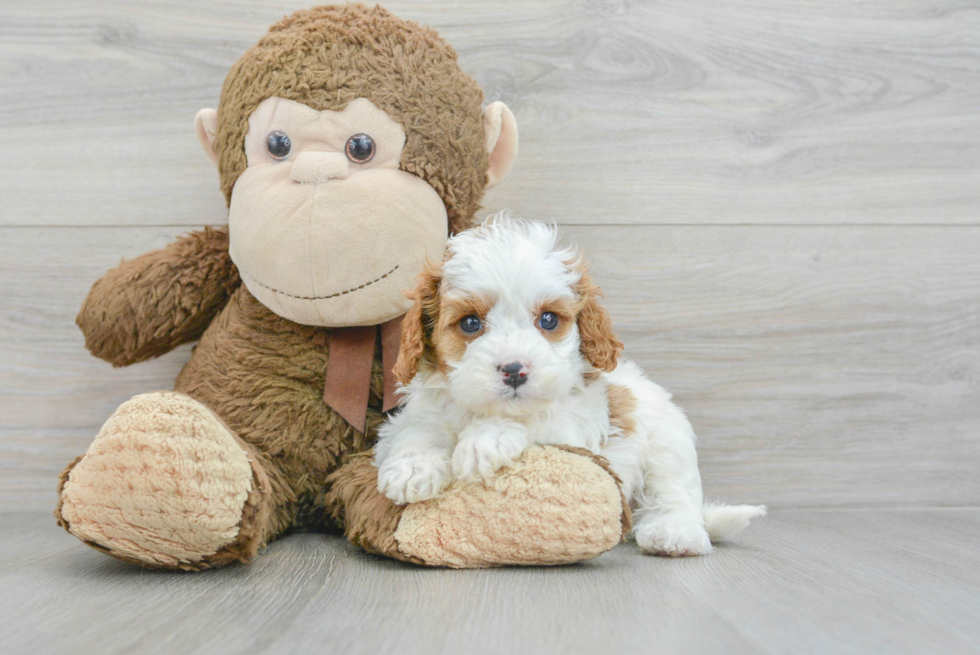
{"points": [[548, 321], [470, 324], [360, 148], [278, 144]]}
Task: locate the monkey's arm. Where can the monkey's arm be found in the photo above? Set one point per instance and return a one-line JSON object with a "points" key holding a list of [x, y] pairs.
{"points": [[149, 305]]}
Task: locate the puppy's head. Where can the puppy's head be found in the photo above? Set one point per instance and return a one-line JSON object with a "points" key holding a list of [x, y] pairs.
{"points": [[510, 319]]}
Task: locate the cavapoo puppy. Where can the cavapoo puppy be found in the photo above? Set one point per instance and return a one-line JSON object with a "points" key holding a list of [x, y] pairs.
{"points": [[505, 347]]}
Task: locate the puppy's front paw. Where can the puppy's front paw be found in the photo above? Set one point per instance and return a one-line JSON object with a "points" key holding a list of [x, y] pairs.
{"points": [[673, 534], [414, 478], [480, 454]]}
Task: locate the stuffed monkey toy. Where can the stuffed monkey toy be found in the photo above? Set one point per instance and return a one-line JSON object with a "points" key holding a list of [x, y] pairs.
{"points": [[349, 145]]}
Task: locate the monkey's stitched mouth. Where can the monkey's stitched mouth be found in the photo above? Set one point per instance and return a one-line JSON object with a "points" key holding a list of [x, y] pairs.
{"points": [[332, 295]]}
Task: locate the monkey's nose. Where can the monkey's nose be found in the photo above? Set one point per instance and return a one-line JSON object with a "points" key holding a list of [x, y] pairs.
{"points": [[515, 374], [312, 167]]}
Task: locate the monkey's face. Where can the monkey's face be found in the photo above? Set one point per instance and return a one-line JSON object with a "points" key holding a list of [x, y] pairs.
{"points": [[325, 228]]}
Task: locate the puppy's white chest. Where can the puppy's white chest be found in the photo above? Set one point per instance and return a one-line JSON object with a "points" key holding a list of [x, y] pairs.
{"points": [[580, 420]]}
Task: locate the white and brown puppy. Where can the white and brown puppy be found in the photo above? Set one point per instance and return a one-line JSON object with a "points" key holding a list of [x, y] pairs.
{"points": [[505, 347]]}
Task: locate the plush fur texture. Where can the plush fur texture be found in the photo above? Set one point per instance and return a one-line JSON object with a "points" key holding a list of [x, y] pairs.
{"points": [[557, 502], [252, 392], [313, 207], [545, 527], [371, 520], [326, 57], [150, 305], [509, 349], [156, 446]]}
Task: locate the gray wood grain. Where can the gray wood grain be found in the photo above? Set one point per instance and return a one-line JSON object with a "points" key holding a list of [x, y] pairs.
{"points": [[807, 581], [821, 366], [812, 112], [782, 201]]}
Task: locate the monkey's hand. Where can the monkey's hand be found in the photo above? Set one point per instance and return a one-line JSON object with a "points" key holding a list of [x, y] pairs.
{"points": [[149, 305], [555, 505]]}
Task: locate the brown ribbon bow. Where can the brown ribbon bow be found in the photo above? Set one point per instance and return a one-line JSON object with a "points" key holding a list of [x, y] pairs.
{"points": [[348, 384]]}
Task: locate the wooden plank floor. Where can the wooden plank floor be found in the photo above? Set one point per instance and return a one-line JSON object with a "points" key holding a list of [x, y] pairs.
{"points": [[676, 111], [782, 201], [800, 581]]}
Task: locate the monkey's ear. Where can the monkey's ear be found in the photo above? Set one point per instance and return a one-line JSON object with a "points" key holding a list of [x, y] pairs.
{"points": [[418, 322], [500, 129], [206, 127], [598, 343]]}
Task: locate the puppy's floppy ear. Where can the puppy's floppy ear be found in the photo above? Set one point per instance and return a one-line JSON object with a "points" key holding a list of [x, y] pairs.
{"points": [[598, 343], [418, 323]]}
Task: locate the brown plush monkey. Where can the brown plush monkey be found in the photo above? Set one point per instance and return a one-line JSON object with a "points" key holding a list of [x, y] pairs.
{"points": [[349, 144]]}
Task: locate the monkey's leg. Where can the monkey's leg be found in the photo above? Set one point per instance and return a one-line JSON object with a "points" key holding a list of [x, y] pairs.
{"points": [[554, 506], [166, 484]]}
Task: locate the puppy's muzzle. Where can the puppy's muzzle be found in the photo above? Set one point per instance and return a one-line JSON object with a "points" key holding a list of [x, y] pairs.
{"points": [[515, 374]]}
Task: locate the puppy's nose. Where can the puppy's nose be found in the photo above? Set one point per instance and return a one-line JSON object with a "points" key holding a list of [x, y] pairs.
{"points": [[515, 373]]}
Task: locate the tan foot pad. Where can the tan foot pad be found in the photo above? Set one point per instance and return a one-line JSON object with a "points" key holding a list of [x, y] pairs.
{"points": [[553, 507], [164, 483]]}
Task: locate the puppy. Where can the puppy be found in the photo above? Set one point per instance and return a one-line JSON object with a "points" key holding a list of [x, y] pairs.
{"points": [[505, 347]]}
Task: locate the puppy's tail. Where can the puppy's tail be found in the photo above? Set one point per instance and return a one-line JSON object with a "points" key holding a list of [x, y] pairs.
{"points": [[724, 521]]}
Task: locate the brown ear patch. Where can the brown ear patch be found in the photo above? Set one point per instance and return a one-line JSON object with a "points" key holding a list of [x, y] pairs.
{"points": [[418, 324], [599, 344]]}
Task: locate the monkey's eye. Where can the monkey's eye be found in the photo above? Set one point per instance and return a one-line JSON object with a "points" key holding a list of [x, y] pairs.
{"points": [[360, 148], [278, 144], [470, 324], [548, 321]]}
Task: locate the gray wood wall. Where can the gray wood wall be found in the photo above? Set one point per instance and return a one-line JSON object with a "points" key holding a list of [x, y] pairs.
{"points": [[781, 199]]}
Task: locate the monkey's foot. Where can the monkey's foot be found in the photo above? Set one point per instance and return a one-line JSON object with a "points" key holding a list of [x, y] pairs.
{"points": [[165, 484], [555, 505]]}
